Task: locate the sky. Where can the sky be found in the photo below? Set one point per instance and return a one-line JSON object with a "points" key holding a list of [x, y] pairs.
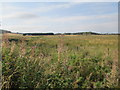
{"points": [[59, 17]]}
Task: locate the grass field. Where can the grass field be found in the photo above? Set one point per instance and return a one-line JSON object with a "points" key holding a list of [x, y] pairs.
{"points": [[83, 61]]}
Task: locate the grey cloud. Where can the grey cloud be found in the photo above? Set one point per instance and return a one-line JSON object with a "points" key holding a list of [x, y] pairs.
{"points": [[27, 16]]}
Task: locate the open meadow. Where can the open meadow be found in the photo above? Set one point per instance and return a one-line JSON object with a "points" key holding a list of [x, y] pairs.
{"points": [[60, 61]]}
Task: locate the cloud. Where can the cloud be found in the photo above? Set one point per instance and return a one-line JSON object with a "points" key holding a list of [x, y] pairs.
{"points": [[101, 27], [20, 15], [99, 23], [10, 11], [27, 16], [17, 12], [23, 19], [26, 28], [58, 6], [60, 1], [111, 26], [72, 19]]}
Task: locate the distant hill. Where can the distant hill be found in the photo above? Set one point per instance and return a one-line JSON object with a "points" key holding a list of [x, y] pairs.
{"points": [[79, 33], [36, 34], [4, 31], [82, 33], [76, 33], [86, 33]]}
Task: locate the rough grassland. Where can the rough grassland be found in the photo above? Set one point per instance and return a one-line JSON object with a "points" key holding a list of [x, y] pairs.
{"points": [[83, 61]]}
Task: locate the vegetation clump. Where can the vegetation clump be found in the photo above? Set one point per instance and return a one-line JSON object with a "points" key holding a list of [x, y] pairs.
{"points": [[60, 61]]}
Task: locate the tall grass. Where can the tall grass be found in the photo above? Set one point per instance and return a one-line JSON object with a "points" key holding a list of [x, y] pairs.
{"points": [[60, 61]]}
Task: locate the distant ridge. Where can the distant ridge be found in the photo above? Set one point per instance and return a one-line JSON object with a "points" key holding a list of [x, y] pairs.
{"points": [[4, 31], [36, 34], [87, 33], [76, 33]]}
